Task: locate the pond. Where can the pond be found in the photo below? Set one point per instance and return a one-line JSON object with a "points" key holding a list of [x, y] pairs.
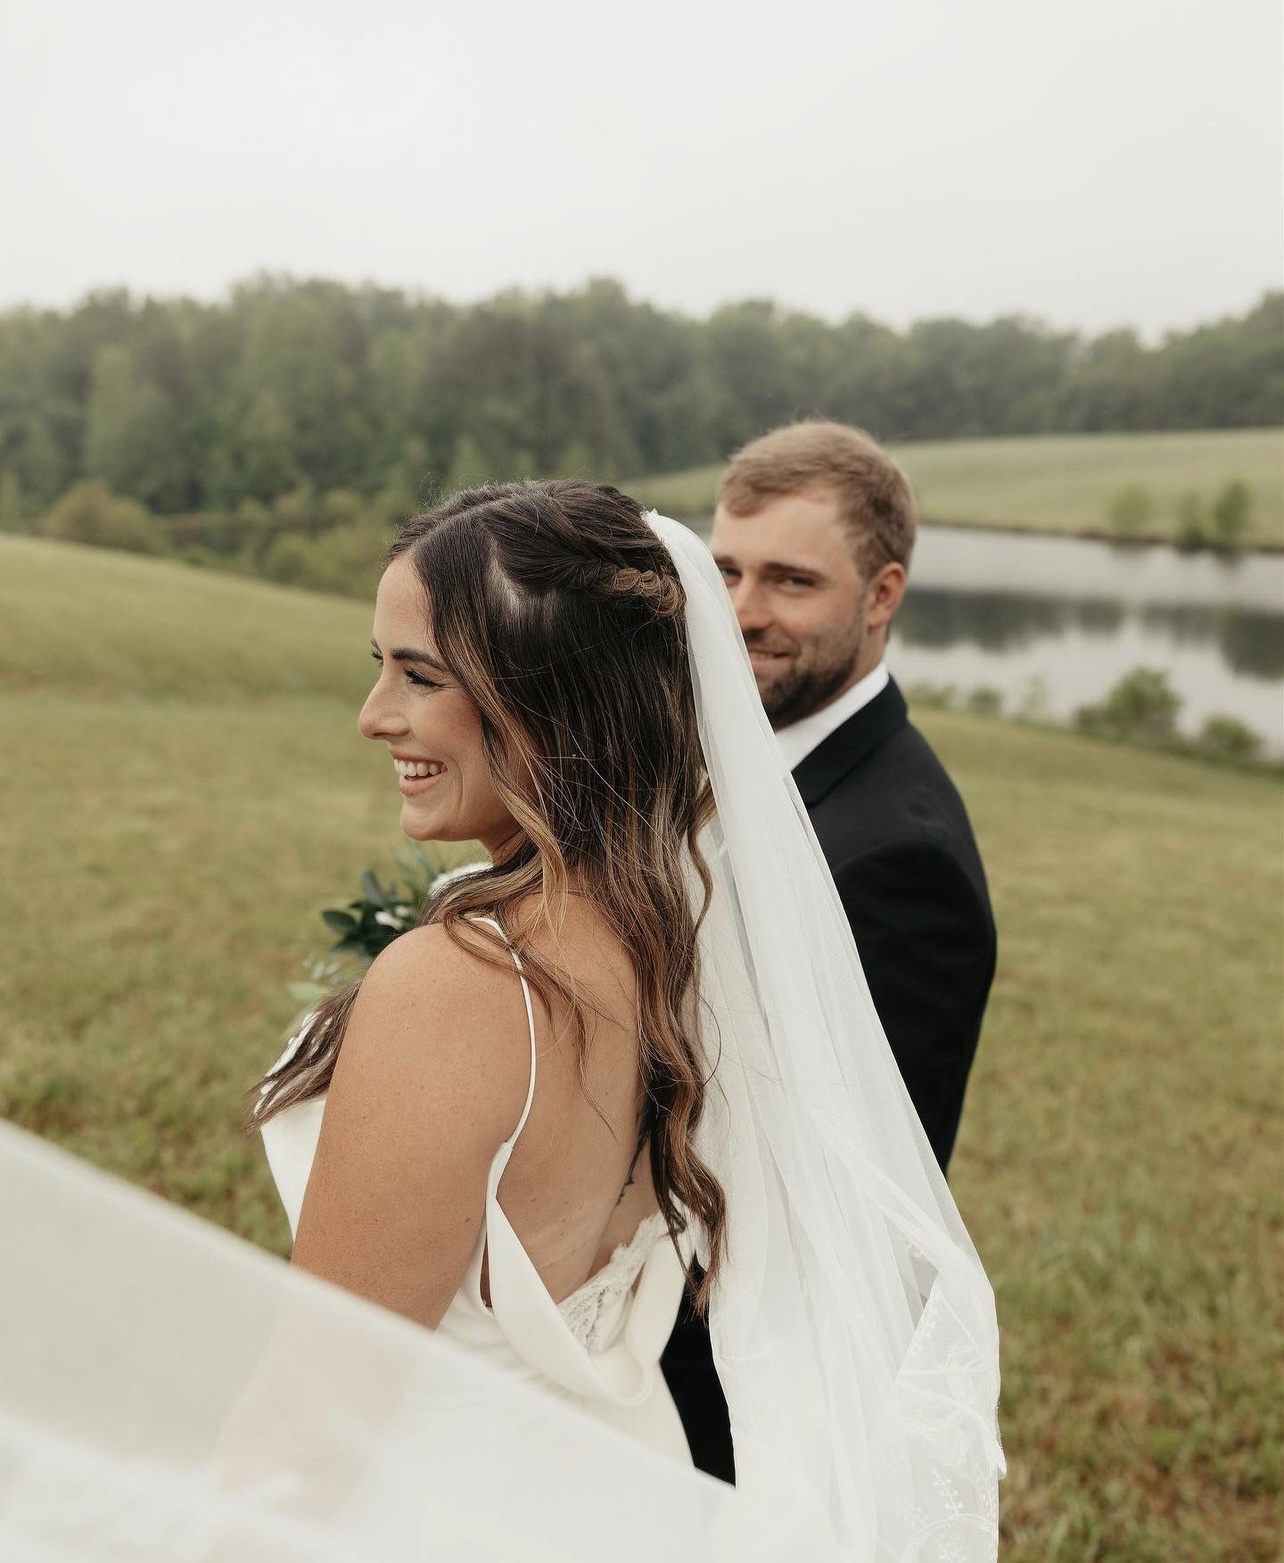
{"points": [[1053, 623]]}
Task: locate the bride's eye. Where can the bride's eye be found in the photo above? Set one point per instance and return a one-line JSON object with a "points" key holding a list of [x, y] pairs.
{"points": [[420, 682]]}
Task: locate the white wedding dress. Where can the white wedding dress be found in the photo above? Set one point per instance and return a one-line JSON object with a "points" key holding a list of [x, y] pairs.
{"points": [[599, 1348]]}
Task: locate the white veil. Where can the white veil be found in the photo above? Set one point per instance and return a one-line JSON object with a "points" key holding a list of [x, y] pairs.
{"points": [[855, 1335], [169, 1394]]}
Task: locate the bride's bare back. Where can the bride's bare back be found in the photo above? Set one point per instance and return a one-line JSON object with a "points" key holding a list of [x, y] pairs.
{"points": [[432, 1078]]}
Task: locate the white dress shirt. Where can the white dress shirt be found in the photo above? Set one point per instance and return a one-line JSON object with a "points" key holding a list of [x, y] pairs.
{"points": [[800, 738]]}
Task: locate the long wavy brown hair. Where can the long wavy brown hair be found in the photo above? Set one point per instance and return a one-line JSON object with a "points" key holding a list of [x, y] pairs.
{"points": [[559, 612]]}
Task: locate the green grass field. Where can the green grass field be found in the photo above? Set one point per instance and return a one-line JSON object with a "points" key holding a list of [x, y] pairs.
{"points": [[1056, 483], [185, 789]]}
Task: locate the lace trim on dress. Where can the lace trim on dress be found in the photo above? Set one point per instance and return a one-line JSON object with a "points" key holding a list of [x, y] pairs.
{"points": [[589, 1312]]}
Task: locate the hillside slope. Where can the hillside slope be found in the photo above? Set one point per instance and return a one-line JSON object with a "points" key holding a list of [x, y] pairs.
{"points": [[95, 621]]}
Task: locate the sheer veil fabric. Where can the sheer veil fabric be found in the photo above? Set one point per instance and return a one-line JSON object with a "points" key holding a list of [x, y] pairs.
{"points": [[855, 1332], [169, 1393]]}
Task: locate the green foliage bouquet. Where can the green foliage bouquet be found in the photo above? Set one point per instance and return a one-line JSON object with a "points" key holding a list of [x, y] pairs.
{"points": [[370, 922]]}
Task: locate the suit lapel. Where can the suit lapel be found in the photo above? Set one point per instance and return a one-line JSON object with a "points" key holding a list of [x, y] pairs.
{"points": [[847, 746]]}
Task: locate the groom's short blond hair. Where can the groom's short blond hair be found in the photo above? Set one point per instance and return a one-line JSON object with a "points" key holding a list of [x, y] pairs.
{"points": [[874, 495]]}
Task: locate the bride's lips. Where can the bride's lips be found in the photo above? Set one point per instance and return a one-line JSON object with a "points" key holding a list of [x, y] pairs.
{"points": [[415, 776]]}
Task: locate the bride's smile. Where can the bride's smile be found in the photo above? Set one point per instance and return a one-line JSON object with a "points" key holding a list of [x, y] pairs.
{"points": [[415, 777]]}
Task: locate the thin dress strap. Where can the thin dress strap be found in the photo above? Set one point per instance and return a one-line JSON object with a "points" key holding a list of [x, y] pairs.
{"points": [[530, 1021]]}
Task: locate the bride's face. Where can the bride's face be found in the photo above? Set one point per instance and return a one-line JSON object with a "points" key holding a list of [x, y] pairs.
{"points": [[431, 727]]}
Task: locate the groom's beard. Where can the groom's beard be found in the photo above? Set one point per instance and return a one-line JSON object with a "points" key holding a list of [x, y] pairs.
{"points": [[800, 683]]}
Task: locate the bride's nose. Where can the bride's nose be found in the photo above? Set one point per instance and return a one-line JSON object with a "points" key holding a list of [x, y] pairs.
{"points": [[379, 716]]}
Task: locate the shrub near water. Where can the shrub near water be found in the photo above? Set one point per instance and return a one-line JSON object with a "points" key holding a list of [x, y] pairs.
{"points": [[1141, 705], [1224, 527], [1226, 738], [1191, 532], [1232, 513]]}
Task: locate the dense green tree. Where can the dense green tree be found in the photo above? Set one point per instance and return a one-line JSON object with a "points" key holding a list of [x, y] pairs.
{"points": [[41, 426], [469, 466], [1021, 367], [746, 359], [1110, 385], [1230, 374], [265, 460], [862, 387], [132, 439], [293, 385]]}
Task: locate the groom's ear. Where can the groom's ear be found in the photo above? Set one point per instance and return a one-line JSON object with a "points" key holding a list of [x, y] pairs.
{"points": [[885, 592]]}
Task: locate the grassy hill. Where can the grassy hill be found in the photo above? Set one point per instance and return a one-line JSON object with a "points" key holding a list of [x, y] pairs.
{"points": [[185, 789], [1056, 483]]}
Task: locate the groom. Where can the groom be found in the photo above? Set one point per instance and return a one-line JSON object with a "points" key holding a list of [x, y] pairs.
{"points": [[813, 533]]}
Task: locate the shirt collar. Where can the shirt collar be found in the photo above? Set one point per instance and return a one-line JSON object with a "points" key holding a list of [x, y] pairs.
{"points": [[798, 739]]}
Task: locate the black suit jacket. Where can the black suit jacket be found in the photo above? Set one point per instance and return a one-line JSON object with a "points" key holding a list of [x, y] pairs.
{"points": [[899, 845]]}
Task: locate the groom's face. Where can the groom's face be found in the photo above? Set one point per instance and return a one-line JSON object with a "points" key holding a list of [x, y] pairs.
{"points": [[808, 615]]}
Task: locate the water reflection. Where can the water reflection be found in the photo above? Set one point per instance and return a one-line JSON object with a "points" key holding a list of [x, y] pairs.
{"points": [[1068, 618], [1249, 642], [998, 621], [1254, 643]]}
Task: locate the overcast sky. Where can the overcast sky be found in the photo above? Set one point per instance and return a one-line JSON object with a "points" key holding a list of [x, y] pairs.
{"points": [[1093, 162]]}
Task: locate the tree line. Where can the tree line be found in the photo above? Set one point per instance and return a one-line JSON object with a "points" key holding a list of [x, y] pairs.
{"points": [[312, 388]]}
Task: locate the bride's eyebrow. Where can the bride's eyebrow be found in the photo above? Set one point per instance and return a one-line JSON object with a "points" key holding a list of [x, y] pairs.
{"points": [[409, 654]]}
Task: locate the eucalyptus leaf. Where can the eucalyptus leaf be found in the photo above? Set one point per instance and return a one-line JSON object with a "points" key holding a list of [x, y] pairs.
{"points": [[382, 913]]}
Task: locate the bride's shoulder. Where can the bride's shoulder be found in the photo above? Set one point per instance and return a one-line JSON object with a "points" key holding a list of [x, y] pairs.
{"points": [[430, 960], [432, 1011], [429, 971]]}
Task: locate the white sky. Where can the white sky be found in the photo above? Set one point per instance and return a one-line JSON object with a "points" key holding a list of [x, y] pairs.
{"points": [[1093, 162]]}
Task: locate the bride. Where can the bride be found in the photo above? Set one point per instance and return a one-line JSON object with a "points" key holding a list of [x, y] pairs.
{"points": [[512, 1094], [637, 1040]]}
